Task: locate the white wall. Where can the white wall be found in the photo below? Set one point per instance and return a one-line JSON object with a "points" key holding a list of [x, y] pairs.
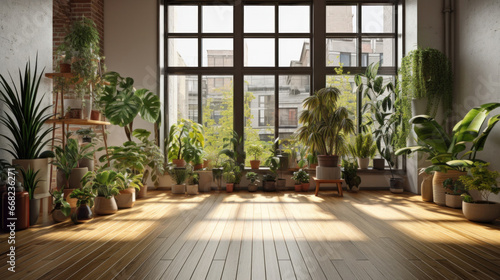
{"points": [[131, 48], [477, 68], [25, 29]]}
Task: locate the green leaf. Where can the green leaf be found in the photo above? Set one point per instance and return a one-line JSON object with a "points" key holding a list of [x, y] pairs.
{"points": [[123, 109], [151, 104]]}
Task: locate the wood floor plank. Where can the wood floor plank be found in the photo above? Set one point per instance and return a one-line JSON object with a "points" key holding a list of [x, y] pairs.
{"points": [[215, 271], [270, 255], [244, 271], [286, 270], [258, 257], [233, 254]]}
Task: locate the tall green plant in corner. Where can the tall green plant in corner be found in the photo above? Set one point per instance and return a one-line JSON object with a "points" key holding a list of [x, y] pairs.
{"points": [[25, 115], [426, 73]]}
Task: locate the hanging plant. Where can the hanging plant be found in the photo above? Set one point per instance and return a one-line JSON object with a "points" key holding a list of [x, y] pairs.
{"points": [[426, 73]]}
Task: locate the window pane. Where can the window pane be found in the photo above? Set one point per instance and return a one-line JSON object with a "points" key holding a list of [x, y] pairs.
{"points": [[375, 50], [259, 19], [217, 52], [294, 19], [217, 19], [341, 19], [259, 114], [259, 52], [341, 51], [183, 52], [377, 19], [293, 90], [294, 52], [217, 111], [182, 98], [182, 19], [346, 84]]}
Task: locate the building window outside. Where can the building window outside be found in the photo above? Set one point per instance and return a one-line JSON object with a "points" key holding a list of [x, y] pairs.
{"points": [[274, 66]]}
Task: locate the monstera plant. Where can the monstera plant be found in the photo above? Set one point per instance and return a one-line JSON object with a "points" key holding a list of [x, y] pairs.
{"points": [[122, 102]]}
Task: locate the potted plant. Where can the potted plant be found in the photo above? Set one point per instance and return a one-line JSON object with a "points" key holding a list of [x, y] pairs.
{"points": [[192, 186], [62, 209], [256, 151], [179, 175], [364, 149], [269, 180], [312, 160], [194, 155], [85, 201], [230, 179], [325, 125], [297, 179], [24, 119], [185, 133], [81, 48], [387, 118], [349, 172], [154, 160], [132, 184], [304, 179], [454, 189], [254, 181], [106, 184], [444, 151], [31, 182], [485, 182], [122, 103]]}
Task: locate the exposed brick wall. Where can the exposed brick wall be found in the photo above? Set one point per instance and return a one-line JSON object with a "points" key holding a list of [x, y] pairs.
{"points": [[64, 13]]}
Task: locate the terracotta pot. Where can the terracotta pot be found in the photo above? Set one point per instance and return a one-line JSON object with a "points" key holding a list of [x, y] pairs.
{"points": [[269, 186], [363, 163], [437, 184], [205, 163], [379, 163], [481, 211], [41, 164], [298, 187], [178, 189], [313, 166], [426, 188], [22, 213], [83, 214], [105, 206], [65, 67], [229, 188], [76, 177], [58, 216], [328, 161], [126, 198], [34, 210], [252, 187], [255, 164], [143, 192], [305, 187], [198, 166], [191, 189], [72, 201], [453, 200], [179, 162], [95, 115]]}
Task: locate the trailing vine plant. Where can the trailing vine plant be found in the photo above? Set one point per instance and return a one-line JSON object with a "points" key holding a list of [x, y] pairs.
{"points": [[426, 73]]}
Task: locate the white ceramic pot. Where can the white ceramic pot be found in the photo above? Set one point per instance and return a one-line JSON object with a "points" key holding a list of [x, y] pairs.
{"points": [[363, 163], [178, 189], [191, 189], [481, 211]]}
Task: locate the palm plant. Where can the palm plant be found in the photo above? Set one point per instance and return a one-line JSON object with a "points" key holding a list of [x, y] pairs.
{"points": [[325, 124], [30, 181], [364, 146], [25, 116]]}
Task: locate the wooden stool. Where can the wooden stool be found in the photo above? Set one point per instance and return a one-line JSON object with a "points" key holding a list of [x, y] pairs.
{"points": [[318, 182]]}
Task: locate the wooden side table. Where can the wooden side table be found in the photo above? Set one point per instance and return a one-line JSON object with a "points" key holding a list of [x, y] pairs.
{"points": [[318, 182]]}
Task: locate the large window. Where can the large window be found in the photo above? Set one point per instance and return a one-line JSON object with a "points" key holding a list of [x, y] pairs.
{"points": [[248, 65]]}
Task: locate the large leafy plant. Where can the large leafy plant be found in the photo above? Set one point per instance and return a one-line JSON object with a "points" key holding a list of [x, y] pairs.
{"points": [[386, 113], [154, 159], [122, 103], [24, 116], [183, 137], [448, 151], [325, 124], [106, 183]]}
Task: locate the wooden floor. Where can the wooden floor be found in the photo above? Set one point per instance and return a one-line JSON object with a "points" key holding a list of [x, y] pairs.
{"points": [[369, 235]]}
